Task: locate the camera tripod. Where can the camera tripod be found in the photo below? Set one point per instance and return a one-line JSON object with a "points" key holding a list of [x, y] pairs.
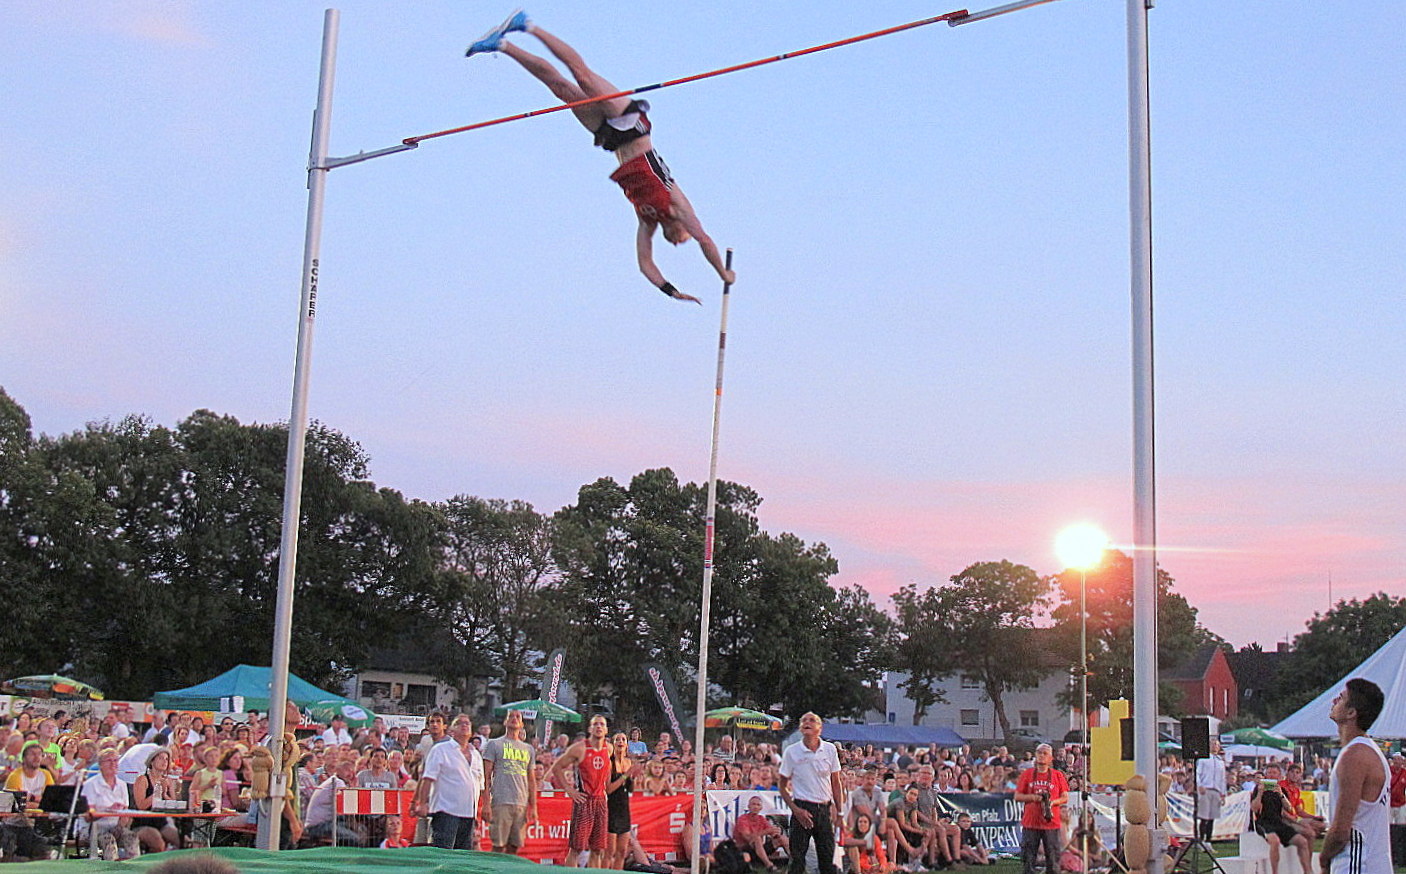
{"points": [[1194, 855]]}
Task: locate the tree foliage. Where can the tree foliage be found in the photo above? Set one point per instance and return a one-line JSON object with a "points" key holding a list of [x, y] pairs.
{"points": [[1335, 642], [146, 556], [1110, 629], [631, 568], [982, 624]]}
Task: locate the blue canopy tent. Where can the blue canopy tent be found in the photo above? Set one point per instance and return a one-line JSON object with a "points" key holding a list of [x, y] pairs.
{"points": [[885, 735], [247, 681]]}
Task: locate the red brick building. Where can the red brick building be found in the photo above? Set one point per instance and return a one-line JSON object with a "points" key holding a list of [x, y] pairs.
{"points": [[1207, 685]]}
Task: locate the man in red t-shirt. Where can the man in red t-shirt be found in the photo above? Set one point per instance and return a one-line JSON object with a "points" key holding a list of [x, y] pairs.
{"points": [[1044, 791], [1308, 824], [622, 126], [588, 805], [1398, 810]]}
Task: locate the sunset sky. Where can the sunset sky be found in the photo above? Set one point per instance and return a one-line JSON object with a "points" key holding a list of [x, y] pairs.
{"points": [[928, 360]]}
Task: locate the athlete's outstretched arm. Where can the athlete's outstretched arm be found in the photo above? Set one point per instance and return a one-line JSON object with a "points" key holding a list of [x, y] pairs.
{"points": [[710, 251], [644, 251]]}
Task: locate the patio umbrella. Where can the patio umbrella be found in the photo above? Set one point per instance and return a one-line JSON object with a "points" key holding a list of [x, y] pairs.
{"points": [[51, 686], [536, 708], [355, 715], [1260, 737], [740, 717]]}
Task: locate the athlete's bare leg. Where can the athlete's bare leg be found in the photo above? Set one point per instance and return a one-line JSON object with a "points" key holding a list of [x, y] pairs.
{"points": [[590, 81], [565, 90]]}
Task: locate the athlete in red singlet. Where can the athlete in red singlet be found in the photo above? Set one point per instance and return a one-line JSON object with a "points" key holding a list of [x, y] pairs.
{"points": [[621, 126], [588, 805]]}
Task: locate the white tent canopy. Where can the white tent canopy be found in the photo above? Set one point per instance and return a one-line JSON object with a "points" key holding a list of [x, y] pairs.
{"points": [[1387, 668]]}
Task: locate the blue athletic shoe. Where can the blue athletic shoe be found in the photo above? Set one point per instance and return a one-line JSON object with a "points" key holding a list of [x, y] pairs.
{"points": [[491, 42]]}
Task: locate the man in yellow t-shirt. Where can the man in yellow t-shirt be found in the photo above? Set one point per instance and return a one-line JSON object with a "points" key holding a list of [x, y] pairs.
{"points": [[30, 779]]}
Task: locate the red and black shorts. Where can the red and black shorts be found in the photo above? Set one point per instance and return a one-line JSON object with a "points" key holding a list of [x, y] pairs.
{"points": [[588, 823], [646, 181]]}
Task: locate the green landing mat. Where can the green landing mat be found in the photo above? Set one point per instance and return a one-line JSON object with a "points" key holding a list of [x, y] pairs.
{"points": [[321, 860]]}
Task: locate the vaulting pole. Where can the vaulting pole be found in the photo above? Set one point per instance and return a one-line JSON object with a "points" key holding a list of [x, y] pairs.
{"points": [[705, 619], [297, 435]]}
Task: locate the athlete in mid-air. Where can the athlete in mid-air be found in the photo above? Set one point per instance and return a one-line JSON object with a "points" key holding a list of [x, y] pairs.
{"points": [[622, 126]]}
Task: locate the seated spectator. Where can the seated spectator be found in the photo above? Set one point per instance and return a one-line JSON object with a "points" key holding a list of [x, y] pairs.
{"points": [[321, 817], [154, 786], [1310, 825], [973, 851], [718, 777], [31, 779], [393, 839], [207, 783], [235, 779], [868, 799], [655, 781], [751, 832], [965, 783], [864, 853], [906, 837], [763, 777], [1273, 819], [377, 775], [724, 751], [105, 793]]}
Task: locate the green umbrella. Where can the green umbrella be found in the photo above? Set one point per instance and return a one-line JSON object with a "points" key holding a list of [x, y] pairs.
{"points": [[51, 686], [536, 708], [355, 715], [741, 717], [1261, 737]]}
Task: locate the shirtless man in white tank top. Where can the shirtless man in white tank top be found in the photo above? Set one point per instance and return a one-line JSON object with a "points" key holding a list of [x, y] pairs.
{"points": [[1358, 838]]}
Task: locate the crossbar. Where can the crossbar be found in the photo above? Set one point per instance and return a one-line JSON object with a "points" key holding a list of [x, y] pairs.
{"points": [[961, 13]]}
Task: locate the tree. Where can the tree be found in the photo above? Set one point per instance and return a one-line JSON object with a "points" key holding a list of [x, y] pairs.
{"points": [[631, 570], [973, 626], [1110, 629], [1335, 642], [147, 556], [495, 566]]}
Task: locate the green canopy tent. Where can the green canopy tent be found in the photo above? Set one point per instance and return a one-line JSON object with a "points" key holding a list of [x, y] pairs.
{"points": [[1259, 737], [250, 683]]}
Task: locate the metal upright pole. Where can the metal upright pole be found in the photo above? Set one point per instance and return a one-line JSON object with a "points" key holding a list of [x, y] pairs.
{"points": [[1144, 446], [1084, 818], [705, 618], [297, 433]]}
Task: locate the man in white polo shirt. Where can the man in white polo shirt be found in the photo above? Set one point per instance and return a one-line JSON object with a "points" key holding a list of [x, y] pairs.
{"points": [[450, 787], [810, 785]]}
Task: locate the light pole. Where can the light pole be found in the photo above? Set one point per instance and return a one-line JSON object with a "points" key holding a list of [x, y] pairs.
{"points": [[1081, 547]]}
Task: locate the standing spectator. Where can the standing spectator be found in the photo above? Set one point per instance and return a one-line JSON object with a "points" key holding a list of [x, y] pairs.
{"points": [[589, 814], [810, 786], [1398, 810], [434, 733], [449, 789], [637, 745], [337, 733], [1043, 791], [509, 771], [1210, 790], [105, 793], [617, 801]]}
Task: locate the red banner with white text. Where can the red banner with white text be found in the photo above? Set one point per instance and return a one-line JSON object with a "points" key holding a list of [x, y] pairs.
{"points": [[659, 822]]}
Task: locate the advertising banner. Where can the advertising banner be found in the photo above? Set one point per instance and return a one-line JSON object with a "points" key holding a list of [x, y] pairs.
{"points": [[662, 682]]}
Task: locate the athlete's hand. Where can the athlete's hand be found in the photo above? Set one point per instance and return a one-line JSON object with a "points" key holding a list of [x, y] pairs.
{"points": [[679, 295], [728, 276], [576, 795]]}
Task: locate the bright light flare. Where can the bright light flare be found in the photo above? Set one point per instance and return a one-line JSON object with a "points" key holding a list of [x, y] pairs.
{"points": [[1081, 546]]}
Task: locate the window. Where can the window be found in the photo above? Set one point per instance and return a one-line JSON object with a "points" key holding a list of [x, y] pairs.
{"points": [[1029, 719], [970, 682], [374, 689], [971, 717]]}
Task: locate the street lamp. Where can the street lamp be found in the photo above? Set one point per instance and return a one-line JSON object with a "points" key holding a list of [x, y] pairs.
{"points": [[1081, 547]]}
